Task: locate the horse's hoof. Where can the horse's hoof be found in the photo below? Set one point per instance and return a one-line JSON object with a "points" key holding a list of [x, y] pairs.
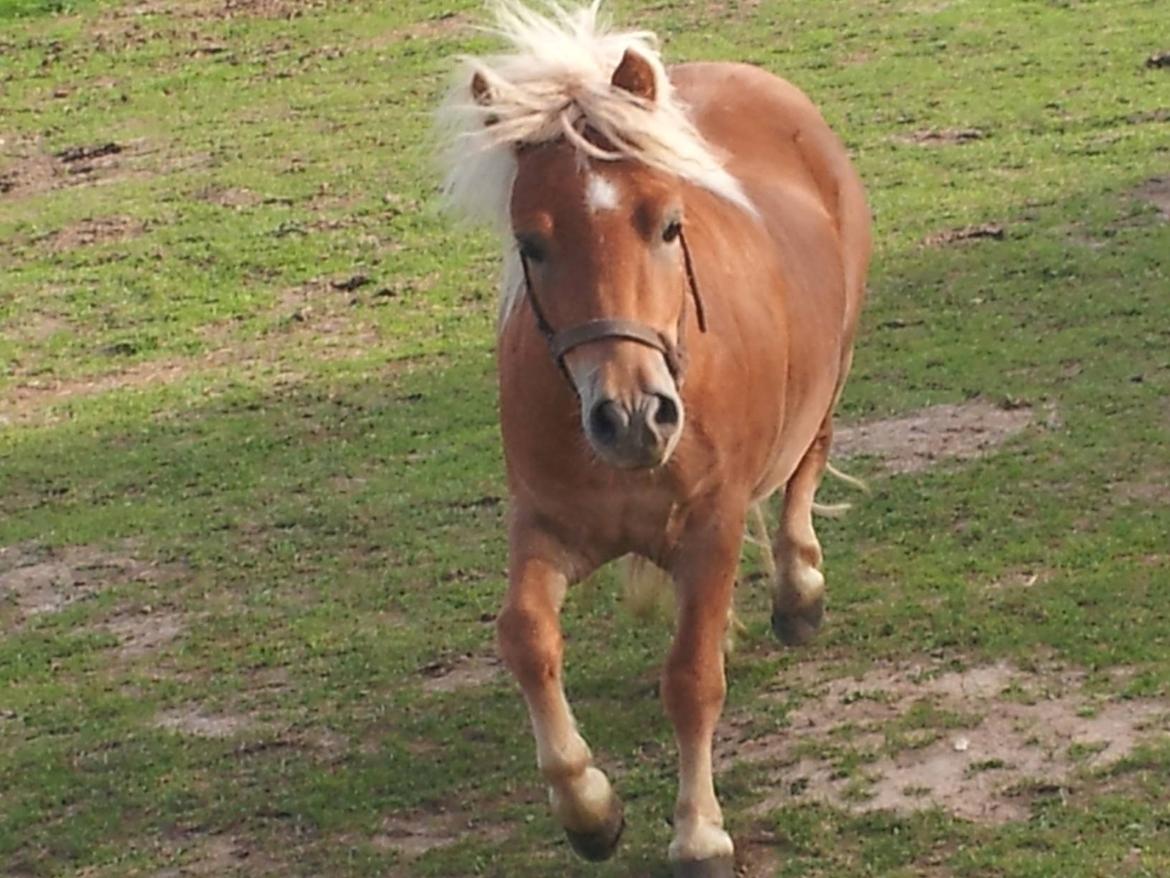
{"points": [[600, 844], [715, 867], [797, 629]]}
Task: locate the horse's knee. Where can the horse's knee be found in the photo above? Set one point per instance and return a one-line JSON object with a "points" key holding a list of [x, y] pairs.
{"points": [[529, 643]]}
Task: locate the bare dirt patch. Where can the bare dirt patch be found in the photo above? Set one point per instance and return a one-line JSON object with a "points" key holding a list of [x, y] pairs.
{"points": [[944, 136], [327, 333], [219, 855], [461, 672], [34, 395], [756, 857], [723, 7], [193, 720], [970, 742], [37, 580], [1157, 193], [31, 169], [1162, 114], [983, 231], [97, 230], [250, 733], [286, 9], [144, 632], [911, 443], [37, 327], [236, 197], [412, 835], [118, 32], [447, 24], [323, 305], [200, 10], [331, 745], [1020, 578], [855, 59], [1148, 487]]}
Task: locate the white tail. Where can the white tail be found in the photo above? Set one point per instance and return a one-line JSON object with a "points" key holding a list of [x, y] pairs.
{"points": [[857, 483], [647, 590], [649, 595], [838, 510]]}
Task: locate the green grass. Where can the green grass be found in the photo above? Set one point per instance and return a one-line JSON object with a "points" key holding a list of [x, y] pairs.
{"points": [[28, 8], [313, 473]]}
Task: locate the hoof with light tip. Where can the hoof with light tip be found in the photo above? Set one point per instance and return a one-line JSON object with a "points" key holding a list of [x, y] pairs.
{"points": [[599, 844], [798, 628]]}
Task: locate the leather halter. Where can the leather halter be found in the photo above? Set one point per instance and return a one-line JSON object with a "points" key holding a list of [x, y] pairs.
{"points": [[560, 343]]}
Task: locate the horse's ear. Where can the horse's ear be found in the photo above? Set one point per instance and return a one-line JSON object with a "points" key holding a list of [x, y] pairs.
{"points": [[481, 93], [636, 76], [480, 90]]}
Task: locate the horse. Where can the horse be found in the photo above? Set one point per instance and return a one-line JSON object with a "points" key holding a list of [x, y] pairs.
{"points": [[684, 260]]}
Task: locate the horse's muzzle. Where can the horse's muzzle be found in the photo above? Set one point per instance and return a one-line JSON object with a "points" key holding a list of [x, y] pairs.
{"points": [[637, 434]]}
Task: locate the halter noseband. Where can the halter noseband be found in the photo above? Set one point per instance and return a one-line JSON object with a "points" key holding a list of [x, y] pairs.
{"points": [[560, 343]]}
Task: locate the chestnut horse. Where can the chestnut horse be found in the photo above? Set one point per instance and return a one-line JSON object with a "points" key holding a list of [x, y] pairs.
{"points": [[685, 260]]}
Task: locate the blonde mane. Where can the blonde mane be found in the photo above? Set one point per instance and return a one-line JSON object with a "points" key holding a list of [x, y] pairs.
{"points": [[555, 82]]}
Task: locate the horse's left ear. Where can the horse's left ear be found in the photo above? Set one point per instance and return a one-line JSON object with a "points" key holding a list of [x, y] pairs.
{"points": [[481, 92], [636, 75]]}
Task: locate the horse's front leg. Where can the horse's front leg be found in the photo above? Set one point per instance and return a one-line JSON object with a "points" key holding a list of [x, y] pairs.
{"points": [[530, 642], [693, 688]]}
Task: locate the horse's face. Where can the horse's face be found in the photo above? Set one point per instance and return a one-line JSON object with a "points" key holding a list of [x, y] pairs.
{"points": [[601, 242]]}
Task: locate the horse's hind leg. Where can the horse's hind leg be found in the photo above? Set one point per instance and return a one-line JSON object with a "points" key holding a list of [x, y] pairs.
{"points": [[798, 598], [530, 642]]}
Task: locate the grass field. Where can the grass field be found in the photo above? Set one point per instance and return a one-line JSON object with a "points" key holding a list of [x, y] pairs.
{"points": [[251, 494]]}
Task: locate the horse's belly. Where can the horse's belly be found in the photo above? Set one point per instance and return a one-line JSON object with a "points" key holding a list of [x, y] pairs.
{"points": [[813, 313]]}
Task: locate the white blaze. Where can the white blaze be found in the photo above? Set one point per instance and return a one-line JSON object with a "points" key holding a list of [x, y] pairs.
{"points": [[601, 194]]}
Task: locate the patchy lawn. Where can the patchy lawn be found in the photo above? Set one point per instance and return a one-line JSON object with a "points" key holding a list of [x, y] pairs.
{"points": [[251, 495]]}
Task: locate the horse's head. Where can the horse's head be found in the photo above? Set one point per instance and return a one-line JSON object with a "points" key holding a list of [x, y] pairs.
{"points": [[604, 266], [577, 149], [606, 276]]}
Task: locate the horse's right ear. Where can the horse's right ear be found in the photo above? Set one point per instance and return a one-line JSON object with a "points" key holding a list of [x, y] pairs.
{"points": [[635, 75]]}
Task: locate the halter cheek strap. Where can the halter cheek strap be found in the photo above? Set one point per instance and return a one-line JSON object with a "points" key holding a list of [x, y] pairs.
{"points": [[560, 343]]}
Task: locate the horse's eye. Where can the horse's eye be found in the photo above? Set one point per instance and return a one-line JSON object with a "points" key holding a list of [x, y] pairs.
{"points": [[530, 248], [673, 230]]}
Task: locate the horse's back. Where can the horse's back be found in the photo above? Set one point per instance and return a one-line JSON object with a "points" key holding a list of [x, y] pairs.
{"points": [[784, 154]]}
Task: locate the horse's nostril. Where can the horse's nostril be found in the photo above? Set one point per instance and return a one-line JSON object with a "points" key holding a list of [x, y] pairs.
{"points": [[666, 415], [605, 422]]}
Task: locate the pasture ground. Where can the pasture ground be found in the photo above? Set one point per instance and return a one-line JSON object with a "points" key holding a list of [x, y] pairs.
{"points": [[251, 502]]}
